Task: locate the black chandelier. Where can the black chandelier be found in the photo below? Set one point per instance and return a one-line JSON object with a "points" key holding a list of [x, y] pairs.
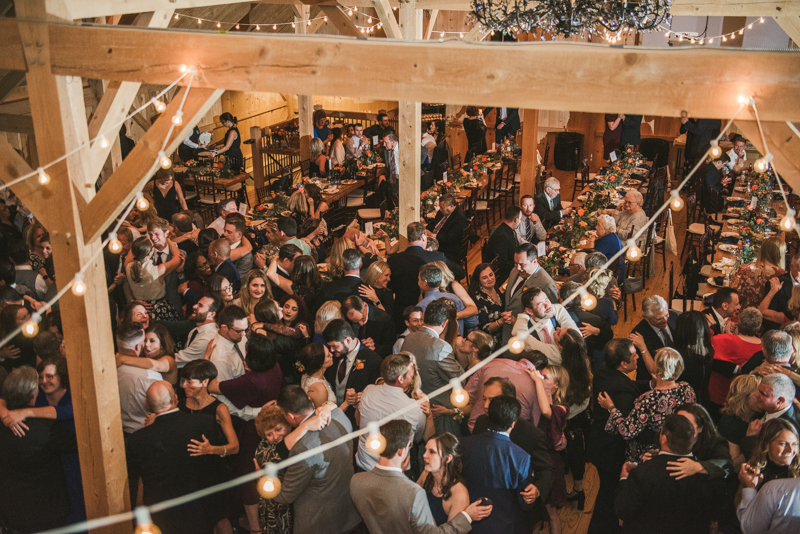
{"points": [[570, 17]]}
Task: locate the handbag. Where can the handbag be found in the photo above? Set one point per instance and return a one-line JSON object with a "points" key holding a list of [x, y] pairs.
{"points": [[633, 285], [670, 243]]}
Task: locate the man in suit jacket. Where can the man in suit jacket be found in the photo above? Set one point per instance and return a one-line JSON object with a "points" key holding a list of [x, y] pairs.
{"points": [[525, 435], [506, 124], [607, 451], [354, 365], [235, 226], [158, 455], [527, 275], [502, 244], [436, 363], [158, 231], [115, 274], [699, 133], [318, 486], [547, 204], [595, 343], [655, 331], [630, 135], [448, 226], [497, 469], [219, 254], [341, 288], [390, 503], [375, 326], [285, 263], [781, 299], [725, 305], [405, 270], [34, 491], [651, 500]]}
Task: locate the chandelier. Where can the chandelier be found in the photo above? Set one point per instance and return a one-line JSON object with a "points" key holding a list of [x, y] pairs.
{"points": [[570, 17]]}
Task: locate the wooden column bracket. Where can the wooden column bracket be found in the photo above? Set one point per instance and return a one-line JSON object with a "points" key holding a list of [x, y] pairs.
{"points": [[386, 15]]}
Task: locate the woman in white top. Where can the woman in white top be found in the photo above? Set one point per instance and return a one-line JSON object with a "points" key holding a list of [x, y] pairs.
{"points": [[631, 217], [337, 152], [312, 361], [146, 279]]}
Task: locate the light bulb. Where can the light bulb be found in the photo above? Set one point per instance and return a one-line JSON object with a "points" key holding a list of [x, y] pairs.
{"points": [[237, 26], [141, 203], [144, 523], [375, 440], [441, 35], [177, 16], [761, 165], [199, 21], [458, 397], [788, 222], [634, 253], [103, 141], [31, 327], [350, 12], [79, 286], [325, 18], [164, 161], [461, 35], [716, 151], [114, 244], [177, 120], [356, 9], [44, 178], [676, 203], [159, 105], [588, 301], [516, 345], [293, 26], [309, 23], [269, 485], [711, 41]]}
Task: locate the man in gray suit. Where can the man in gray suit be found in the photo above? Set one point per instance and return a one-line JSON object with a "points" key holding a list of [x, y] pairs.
{"points": [[318, 486], [390, 503], [527, 274], [437, 364]]}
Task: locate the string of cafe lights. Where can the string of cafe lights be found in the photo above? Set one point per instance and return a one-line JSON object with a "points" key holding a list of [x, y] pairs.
{"points": [[228, 26], [724, 37], [269, 484]]}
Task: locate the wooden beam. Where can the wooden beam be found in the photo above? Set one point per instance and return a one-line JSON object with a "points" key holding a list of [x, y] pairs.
{"points": [[791, 25], [476, 34], [12, 166], [10, 82], [410, 132], [385, 13], [651, 82], [342, 22], [783, 144], [530, 140], [142, 162], [305, 108], [431, 23], [16, 123]]}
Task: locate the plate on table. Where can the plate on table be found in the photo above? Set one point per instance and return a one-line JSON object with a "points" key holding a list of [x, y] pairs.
{"points": [[710, 281], [349, 182], [735, 221], [633, 182], [205, 154], [724, 262], [740, 189], [381, 164], [730, 234], [733, 199], [331, 189], [582, 198], [728, 248], [288, 213], [322, 267], [361, 173]]}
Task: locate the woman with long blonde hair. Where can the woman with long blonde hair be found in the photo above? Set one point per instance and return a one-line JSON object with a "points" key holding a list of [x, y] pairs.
{"points": [[376, 286], [775, 451], [335, 262], [738, 411]]}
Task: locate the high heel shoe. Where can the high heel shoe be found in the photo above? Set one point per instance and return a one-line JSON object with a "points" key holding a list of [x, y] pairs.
{"points": [[579, 497]]}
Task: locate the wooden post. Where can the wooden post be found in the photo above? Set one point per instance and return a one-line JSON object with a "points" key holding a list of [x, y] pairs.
{"points": [[258, 162], [305, 103], [410, 115], [86, 319], [530, 140]]}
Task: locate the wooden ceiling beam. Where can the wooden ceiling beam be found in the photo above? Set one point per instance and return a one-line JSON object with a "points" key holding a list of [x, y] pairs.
{"points": [[142, 162], [386, 15], [783, 144], [9, 83], [342, 22], [591, 78], [699, 8], [791, 25], [16, 123]]}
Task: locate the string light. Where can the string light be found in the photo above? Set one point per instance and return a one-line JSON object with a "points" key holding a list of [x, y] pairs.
{"points": [[144, 523], [516, 345], [164, 160], [177, 120], [237, 26], [716, 151], [634, 253], [293, 26], [142, 203], [761, 165], [350, 12], [159, 105], [676, 202], [219, 25], [269, 486], [31, 326], [724, 37], [588, 301], [103, 141], [114, 244], [375, 440], [459, 397], [177, 16], [78, 286], [43, 178], [199, 21], [788, 222]]}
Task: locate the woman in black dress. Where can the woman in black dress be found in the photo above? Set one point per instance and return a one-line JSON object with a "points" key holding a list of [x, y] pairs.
{"points": [[233, 141], [488, 300], [166, 195], [444, 486], [475, 128], [195, 377]]}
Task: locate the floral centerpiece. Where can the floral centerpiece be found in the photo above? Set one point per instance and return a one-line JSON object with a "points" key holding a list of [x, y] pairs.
{"points": [[429, 200], [392, 230], [557, 259], [761, 188], [611, 180], [570, 234], [596, 201], [192, 163], [756, 219], [629, 159], [748, 252], [279, 203], [369, 157], [224, 167]]}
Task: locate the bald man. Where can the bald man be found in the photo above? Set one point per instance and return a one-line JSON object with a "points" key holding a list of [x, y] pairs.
{"points": [[219, 254], [158, 454]]}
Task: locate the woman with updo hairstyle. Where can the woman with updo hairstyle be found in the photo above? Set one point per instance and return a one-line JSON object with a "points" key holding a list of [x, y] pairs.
{"points": [[205, 237], [605, 307], [319, 161], [269, 322], [329, 311], [233, 141], [312, 362], [376, 286], [442, 479]]}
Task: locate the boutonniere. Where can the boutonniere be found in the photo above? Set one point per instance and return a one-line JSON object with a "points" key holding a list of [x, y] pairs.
{"points": [[359, 364], [299, 366]]}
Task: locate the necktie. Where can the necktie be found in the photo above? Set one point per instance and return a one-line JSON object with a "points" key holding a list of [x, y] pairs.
{"points": [[362, 331], [121, 266], [238, 351], [192, 336], [667, 339], [340, 374], [440, 224], [158, 259]]}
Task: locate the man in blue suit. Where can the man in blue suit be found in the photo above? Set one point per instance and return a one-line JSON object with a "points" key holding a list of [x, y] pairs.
{"points": [[499, 470]]}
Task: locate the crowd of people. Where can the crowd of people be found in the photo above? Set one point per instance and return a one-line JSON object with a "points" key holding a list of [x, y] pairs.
{"points": [[231, 356]]}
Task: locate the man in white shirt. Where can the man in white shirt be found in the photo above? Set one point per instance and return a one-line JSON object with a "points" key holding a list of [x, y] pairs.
{"points": [[133, 381], [738, 156], [549, 322], [205, 315], [355, 141], [229, 344], [412, 316], [774, 508], [530, 228], [379, 401], [224, 208]]}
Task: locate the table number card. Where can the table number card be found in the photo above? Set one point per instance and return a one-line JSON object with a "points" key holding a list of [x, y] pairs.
{"points": [[541, 249], [243, 209], [753, 201], [444, 176], [613, 156], [368, 228], [374, 141]]}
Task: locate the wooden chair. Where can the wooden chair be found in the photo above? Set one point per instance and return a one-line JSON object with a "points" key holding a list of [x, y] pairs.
{"points": [[546, 156], [506, 184], [657, 240], [635, 272], [207, 196], [582, 179], [262, 193], [464, 251], [479, 210], [305, 167], [455, 162]]}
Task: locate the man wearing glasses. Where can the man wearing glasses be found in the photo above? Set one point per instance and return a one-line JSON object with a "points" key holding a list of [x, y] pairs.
{"points": [[548, 204], [227, 349]]}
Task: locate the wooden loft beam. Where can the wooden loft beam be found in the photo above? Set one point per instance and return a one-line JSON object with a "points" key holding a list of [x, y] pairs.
{"points": [[142, 162], [791, 25], [783, 144], [390, 26], [9, 82], [476, 34], [661, 82], [431, 23], [16, 123], [342, 22]]}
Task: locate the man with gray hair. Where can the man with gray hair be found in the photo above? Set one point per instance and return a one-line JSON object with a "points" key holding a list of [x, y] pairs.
{"points": [[772, 399], [777, 351], [429, 282], [547, 204], [655, 331], [341, 288], [379, 401]]}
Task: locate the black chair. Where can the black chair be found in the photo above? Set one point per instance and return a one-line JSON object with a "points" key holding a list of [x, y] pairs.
{"points": [[581, 179], [655, 150], [464, 251]]}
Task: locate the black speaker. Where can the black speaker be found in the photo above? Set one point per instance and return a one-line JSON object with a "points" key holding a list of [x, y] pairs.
{"points": [[564, 152]]}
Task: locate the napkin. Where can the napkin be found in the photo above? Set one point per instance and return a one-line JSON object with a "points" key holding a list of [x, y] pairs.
{"points": [[718, 280], [736, 203], [729, 240]]}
